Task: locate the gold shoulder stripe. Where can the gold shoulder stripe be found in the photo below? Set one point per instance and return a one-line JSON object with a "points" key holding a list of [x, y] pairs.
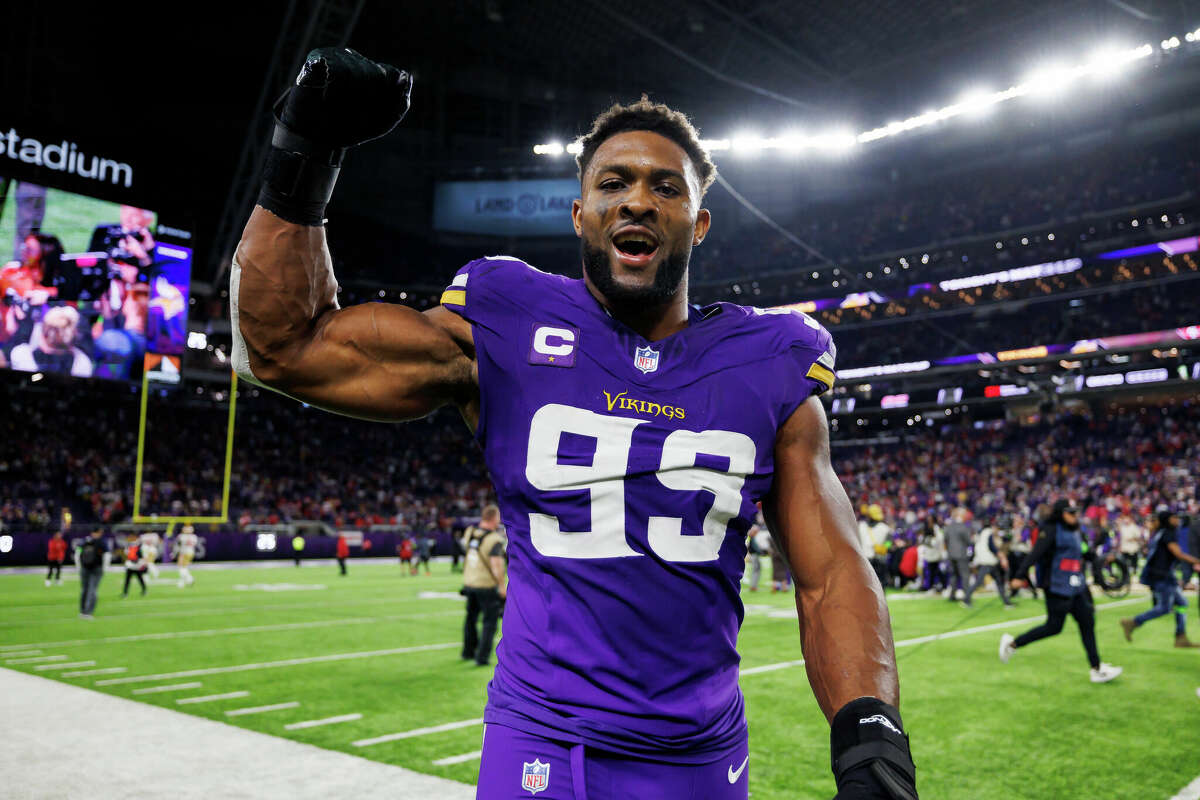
{"points": [[821, 374], [457, 297]]}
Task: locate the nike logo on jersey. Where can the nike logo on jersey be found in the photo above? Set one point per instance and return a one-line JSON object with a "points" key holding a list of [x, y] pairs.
{"points": [[735, 774]]}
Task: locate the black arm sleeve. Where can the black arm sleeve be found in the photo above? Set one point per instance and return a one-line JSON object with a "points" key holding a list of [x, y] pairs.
{"points": [[1039, 552]]}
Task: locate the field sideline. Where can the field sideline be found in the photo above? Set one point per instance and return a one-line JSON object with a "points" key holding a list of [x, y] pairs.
{"points": [[368, 665]]}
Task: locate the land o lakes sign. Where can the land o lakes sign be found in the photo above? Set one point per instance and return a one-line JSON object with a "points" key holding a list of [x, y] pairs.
{"points": [[505, 208]]}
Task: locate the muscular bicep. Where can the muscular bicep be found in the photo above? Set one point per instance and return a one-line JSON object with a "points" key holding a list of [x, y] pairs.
{"points": [[381, 361], [376, 361], [845, 629]]}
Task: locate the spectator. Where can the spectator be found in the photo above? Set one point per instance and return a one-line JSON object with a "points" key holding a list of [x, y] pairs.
{"points": [[92, 558], [1159, 575], [875, 536], [135, 566], [990, 560], [958, 543], [56, 554], [343, 552]]}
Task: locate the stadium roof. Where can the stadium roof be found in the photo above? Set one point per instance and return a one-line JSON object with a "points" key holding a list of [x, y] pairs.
{"points": [[496, 76]]}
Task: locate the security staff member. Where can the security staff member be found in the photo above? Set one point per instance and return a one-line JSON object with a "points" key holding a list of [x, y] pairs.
{"points": [[1059, 552], [485, 583]]}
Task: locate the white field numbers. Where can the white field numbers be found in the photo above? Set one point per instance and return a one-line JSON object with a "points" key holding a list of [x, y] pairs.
{"points": [[604, 479]]}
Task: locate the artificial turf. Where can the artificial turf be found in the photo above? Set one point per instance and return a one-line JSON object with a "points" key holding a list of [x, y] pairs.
{"points": [[1035, 728]]}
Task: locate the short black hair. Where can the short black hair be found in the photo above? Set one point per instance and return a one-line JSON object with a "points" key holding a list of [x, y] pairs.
{"points": [[645, 115]]}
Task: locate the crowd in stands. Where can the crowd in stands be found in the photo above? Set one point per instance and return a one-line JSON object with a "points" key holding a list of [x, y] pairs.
{"points": [[1059, 321], [75, 447], [1120, 467], [980, 203]]}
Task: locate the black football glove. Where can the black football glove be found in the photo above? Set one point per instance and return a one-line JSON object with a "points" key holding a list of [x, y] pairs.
{"points": [[340, 99], [871, 759]]}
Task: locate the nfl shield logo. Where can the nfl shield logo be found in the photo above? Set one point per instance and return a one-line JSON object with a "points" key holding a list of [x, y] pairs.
{"points": [[535, 776], [645, 359]]}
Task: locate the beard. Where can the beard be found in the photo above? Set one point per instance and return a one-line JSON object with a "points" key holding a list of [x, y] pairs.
{"points": [[598, 267]]}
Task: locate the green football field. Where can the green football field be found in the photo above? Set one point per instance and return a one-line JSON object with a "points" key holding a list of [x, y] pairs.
{"points": [[309, 645]]}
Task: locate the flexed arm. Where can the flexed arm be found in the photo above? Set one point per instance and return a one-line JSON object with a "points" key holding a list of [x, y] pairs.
{"points": [[375, 360]]}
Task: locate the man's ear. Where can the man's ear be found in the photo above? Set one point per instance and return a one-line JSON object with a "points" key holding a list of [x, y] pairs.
{"points": [[700, 230], [577, 216]]}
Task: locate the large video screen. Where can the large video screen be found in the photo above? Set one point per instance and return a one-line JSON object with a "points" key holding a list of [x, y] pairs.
{"points": [[85, 288]]}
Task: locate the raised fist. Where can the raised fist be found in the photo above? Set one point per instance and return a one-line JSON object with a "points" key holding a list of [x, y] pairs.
{"points": [[342, 98]]}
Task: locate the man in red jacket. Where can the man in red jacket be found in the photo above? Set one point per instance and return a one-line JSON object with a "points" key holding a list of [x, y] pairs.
{"points": [[56, 554], [343, 552]]}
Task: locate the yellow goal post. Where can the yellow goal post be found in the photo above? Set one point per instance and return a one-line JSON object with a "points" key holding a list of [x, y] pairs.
{"points": [[171, 520]]}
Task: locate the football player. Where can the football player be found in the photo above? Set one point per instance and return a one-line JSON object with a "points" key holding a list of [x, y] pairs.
{"points": [[185, 548], [151, 542], [629, 436]]}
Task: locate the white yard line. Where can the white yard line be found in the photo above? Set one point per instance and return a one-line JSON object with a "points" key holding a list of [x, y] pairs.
{"points": [[240, 712], [392, 737], [210, 612], [65, 665], [316, 723], [445, 762], [772, 667], [290, 662], [283, 626], [84, 672], [1008, 623], [1189, 792], [174, 687], [35, 659], [208, 698], [252, 764], [17, 653]]}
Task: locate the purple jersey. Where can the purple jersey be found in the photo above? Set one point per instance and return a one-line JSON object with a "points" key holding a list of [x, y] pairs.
{"points": [[627, 473]]}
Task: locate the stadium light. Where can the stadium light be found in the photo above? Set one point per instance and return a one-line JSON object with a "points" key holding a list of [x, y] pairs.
{"points": [[748, 144], [978, 101], [1051, 80], [792, 142], [835, 141], [1047, 82]]}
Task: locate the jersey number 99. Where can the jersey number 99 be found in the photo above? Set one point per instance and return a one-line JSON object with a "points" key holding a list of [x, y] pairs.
{"points": [[605, 477]]}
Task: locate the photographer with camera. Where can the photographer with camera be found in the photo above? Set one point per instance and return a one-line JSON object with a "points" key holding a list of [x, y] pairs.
{"points": [[1058, 553], [485, 583], [129, 240]]}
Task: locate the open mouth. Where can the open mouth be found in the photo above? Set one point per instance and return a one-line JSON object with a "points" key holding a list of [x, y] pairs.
{"points": [[635, 247]]}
